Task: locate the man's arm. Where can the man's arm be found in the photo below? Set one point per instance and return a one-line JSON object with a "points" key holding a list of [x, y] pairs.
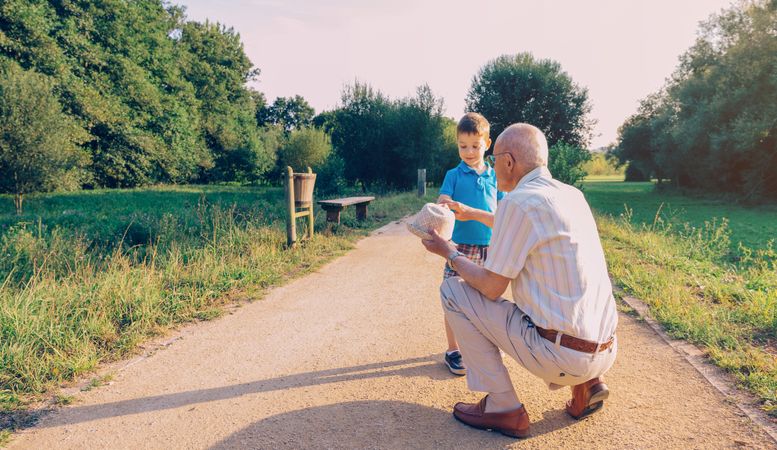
{"points": [[464, 212], [488, 283]]}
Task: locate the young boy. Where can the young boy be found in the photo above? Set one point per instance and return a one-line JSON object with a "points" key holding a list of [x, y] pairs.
{"points": [[471, 183]]}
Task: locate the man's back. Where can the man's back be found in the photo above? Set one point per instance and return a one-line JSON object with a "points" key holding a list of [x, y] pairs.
{"points": [[546, 240]]}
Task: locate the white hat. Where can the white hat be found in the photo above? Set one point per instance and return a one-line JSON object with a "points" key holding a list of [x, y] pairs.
{"points": [[433, 217]]}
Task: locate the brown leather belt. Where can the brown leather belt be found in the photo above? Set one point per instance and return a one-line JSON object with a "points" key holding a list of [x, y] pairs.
{"points": [[574, 343]]}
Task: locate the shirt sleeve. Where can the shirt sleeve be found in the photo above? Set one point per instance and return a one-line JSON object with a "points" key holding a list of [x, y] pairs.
{"points": [[448, 184], [499, 195], [513, 239]]}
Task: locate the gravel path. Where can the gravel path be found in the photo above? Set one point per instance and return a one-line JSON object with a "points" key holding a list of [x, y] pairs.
{"points": [[350, 357]]}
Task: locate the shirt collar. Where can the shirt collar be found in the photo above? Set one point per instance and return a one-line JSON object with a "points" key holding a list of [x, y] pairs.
{"points": [[467, 169], [540, 171]]}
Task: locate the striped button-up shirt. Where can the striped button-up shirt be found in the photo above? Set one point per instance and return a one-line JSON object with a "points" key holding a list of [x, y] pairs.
{"points": [[545, 240]]}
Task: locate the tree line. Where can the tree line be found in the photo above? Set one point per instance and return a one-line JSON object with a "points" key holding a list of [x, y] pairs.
{"points": [[120, 93], [713, 126]]}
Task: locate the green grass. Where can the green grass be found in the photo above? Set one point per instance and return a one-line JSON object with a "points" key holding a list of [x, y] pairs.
{"points": [[683, 257], [85, 277], [753, 226]]}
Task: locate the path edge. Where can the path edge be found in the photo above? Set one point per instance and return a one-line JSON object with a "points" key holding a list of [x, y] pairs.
{"points": [[714, 375]]}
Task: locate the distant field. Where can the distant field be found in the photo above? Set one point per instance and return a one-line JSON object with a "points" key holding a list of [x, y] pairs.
{"points": [[104, 216], [753, 226]]}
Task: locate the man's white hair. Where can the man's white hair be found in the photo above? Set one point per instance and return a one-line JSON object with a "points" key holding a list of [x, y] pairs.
{"points": [[526, 143]]}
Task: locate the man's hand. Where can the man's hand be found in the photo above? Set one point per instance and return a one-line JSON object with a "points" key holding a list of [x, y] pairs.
{"points": [[464, 212], [438, 245], [460, 210]]}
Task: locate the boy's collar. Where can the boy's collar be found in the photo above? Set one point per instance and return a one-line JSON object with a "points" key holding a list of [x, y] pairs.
{"points": [[466, 168]]}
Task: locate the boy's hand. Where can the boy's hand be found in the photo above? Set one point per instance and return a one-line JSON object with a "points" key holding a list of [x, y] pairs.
{"points": [[438, 245], [460, 210]]}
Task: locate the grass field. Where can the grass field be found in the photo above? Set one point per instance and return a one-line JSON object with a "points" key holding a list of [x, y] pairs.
{"points": [[683, 257], [753, 226], [85, 277]]}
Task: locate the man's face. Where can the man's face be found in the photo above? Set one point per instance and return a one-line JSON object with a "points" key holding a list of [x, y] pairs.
{"points": [[472, 147], [503, 167]]}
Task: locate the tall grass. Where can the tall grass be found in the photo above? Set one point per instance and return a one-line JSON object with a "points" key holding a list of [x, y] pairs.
{"points": [[703, 289], [81, 286]]}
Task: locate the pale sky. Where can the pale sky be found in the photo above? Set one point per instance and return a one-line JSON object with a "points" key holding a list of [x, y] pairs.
{"points": [[621, 50]]}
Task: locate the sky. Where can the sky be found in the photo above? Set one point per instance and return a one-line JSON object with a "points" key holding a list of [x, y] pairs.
{"points": [[620, 50]]}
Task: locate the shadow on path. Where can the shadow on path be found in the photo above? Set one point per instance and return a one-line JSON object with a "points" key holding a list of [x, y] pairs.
{"points": [[373, 424], [425, 366]]}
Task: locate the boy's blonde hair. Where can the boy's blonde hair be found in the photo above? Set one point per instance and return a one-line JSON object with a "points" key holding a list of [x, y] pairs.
{"points": [[474, 123]]}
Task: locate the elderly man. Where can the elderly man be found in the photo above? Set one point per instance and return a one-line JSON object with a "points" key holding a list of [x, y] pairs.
{"points": [[561, 323]]}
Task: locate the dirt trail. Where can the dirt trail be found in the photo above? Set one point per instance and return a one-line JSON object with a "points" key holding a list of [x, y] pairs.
{"points": [[350, 357]]}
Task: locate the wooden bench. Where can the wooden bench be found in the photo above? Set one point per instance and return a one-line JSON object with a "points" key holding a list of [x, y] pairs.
{"points": [[335, 206]]}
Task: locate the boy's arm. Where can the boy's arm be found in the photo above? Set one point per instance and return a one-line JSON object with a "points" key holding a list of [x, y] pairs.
{"points": [[464, 212], [443, 198]]}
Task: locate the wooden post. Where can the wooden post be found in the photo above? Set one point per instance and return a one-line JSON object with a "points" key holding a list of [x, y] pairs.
{"points": [[311, 217], [421, 182], [291, 225]]}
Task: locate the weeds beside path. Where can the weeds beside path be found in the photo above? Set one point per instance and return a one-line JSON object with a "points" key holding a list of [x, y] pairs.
{"points": [[700, 285]]}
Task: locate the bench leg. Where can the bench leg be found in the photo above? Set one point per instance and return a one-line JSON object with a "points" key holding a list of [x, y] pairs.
{"points": [[333, 215], [361, 211]]}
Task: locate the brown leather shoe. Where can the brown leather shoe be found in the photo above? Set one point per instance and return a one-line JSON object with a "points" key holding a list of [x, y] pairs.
{"points": [[513, 423], [587, 398]]}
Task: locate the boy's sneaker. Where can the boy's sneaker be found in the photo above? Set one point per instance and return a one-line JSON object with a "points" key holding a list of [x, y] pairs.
{"points": [[454, 363]]}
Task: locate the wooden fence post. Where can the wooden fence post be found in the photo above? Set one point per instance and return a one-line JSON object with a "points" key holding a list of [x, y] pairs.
{"points": [[311, 217], [421, 182], [291, 219]]}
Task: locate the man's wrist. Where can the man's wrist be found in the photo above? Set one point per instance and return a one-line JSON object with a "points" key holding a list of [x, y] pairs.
{"points": [[452, 255]]}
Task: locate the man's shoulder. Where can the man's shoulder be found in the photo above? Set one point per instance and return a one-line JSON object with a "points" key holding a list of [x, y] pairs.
{"points": [[530, 195]]}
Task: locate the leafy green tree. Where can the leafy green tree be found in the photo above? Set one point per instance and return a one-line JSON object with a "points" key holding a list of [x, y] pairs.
{"points": [[290, 113], [359, 133], [117, 73], [308, 147], [218, 68], [383, 142], [565, 162], [38, 143], [164, 99], [712, 127], [520, 88]]}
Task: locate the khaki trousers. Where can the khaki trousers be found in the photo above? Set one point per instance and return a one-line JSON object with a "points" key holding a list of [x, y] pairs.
{"points": [[483, 327]]}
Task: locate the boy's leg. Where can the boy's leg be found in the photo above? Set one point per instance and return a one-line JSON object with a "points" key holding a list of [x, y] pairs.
{"points": [[452, 344]]}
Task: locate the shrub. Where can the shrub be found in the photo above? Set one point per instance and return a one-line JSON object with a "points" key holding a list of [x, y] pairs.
{"points": [[565, 161]]}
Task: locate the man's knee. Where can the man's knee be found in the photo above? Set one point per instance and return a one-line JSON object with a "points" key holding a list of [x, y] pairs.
{"points": [[447, 297]]}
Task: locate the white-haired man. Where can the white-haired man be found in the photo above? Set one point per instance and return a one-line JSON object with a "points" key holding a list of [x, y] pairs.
{"points": [[561, 323]]}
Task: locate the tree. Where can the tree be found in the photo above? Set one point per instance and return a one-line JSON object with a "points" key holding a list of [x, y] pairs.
{"points": [[116, 71], [520, 88], [712, 126], [383, 142], [165, 100], [359, 133], [290, 113], [38, 142], [308, 147], [565, 162], [218, 68]]}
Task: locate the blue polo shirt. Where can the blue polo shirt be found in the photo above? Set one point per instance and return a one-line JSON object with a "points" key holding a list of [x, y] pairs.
{"points": [[463, 184]]}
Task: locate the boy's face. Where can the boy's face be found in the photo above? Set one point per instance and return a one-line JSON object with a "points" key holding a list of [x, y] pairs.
{"points": [[472, 147]]}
